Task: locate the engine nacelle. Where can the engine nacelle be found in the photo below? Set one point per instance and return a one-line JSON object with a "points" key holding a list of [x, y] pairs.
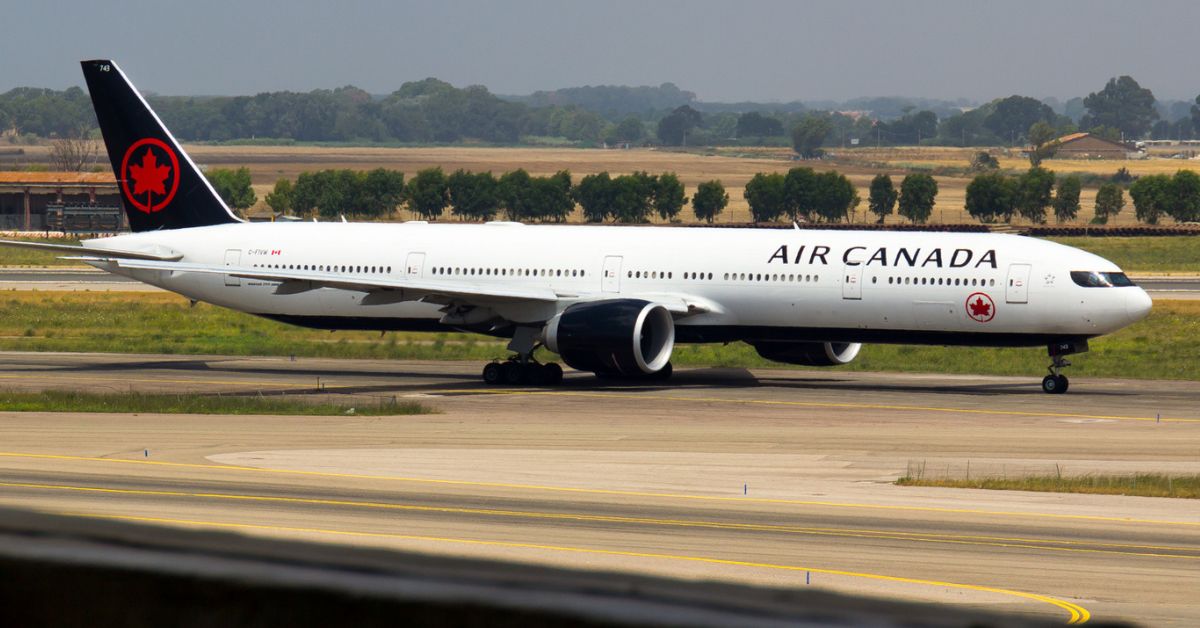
{"points": [[619, 336], [809, 353]]}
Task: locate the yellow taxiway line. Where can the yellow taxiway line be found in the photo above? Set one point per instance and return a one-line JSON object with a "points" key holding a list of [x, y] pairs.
{"points": [[597, 491], [1076, 613], [1122, 549]]}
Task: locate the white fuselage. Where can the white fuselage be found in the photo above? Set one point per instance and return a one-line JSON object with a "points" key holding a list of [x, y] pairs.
{"points": [[846, 285]]}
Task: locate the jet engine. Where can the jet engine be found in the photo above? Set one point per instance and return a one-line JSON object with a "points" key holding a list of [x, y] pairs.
{"points": [[809, 353], [626, 337]]}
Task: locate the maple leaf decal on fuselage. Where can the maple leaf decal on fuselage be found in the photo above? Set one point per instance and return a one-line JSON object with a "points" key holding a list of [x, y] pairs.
{"points": [[149, 177], [980, 307]]}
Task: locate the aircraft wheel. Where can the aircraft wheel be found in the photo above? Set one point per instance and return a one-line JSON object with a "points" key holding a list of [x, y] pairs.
{"points": [[492, 374], [552, 374], [513, 373], [1055, 384]]}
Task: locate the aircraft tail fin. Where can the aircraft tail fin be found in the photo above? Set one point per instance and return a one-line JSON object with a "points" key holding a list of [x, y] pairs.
{"points": [[160, 185]]}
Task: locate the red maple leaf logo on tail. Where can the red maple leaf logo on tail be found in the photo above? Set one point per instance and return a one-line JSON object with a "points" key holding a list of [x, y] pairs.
{"points": [[149, 176], [980, 308]]}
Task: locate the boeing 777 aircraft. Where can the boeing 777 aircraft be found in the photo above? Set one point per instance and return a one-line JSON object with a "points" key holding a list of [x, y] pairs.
{"points": [[609, 300]]}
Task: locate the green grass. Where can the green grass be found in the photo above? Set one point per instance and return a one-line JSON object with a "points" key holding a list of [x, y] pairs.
{"points": [[72, 401], [1163, 346], [1141, 484], [1180, 254], [13, 256]]}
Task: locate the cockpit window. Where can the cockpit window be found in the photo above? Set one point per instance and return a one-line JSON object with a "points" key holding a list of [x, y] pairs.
{"points": [[1091, 279]]}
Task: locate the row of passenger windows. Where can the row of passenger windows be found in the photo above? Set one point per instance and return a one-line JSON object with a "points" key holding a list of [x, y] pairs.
{"points": [[939, 281], [761, 277], [509, 272], [329, 268], [649, 274]]}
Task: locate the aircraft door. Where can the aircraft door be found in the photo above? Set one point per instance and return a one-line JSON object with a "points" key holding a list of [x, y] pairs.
{"points": [[611, 279], [414, 266], [233, 258], [852, 282], [1017, 288]]}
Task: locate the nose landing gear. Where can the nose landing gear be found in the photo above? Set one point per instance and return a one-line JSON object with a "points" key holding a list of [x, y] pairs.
{"points": [[1056, 383]]}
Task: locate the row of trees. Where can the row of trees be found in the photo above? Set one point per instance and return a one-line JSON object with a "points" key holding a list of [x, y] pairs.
{"points": [[515, 195], [799, 194], [435, 111]]}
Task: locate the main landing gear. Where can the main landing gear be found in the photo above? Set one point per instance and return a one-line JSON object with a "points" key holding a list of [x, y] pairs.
{"points": [[522, 369], [514, 372], [1056, 383]]}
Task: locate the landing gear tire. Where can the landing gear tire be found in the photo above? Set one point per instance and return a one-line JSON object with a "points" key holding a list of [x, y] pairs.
{"points": [[1055, 384], [492, 374], [552, 374], [514, 373]]}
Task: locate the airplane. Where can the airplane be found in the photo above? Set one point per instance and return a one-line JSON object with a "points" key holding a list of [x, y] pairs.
{"points": [[610, 300]]}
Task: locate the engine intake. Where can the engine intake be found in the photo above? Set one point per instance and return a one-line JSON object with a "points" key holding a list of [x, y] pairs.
{"points": [[618, 336], [809, 353]]}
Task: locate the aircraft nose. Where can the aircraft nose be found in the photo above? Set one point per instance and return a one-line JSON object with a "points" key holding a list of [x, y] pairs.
{"points": [[1137, 304]]}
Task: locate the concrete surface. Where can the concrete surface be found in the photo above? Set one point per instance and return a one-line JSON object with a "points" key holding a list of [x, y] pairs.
{"points": [[780, 478]]}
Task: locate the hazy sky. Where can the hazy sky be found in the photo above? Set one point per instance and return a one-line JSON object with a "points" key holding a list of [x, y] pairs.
{"points": [[723, 51]]}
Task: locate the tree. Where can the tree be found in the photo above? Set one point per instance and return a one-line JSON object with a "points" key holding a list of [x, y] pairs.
{"points": [[799, 186], [72, 153], [550, 197], [596, 194], [1012, 117], [516, 196], [1123, 105], [473, 195], [1151, 197], [755, 124], [991, 196], [233, 186], [982, 161], [709, 200], [1034, 194], [379, 192], [765, 194], [428, 193], [669, 198], [917, 193], [633, 197], [833, 196], [280, 198], [1184, 204], [630, 130], [1110, 200], [1066, 199], [809, 135], [673, 129], [882, 199], [1042, 143]]}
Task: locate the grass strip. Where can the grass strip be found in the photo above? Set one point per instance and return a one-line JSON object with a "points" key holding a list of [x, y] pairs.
{"points": [[1176, 254], [134, 402], [1140, 484], [1163, 346]]}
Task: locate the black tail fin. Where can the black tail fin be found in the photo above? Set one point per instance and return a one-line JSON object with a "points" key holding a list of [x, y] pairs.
{"points": [[160, 185]]}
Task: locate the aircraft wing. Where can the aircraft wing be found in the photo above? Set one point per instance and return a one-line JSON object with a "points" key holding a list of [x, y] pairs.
{"points": [[156, 253]]}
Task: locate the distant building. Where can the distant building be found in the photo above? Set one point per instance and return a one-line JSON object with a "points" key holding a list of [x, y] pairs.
{"points": [[1088, 146], [55, 201]]}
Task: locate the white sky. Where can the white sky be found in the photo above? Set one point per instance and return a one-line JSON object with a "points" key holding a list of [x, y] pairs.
{"points": [[724, 51]]}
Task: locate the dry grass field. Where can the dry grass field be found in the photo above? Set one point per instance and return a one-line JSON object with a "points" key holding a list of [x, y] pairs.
{"points": [[732, 166]]}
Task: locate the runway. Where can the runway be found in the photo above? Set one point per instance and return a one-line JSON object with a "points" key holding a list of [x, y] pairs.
{"points": [[773, 476]]}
